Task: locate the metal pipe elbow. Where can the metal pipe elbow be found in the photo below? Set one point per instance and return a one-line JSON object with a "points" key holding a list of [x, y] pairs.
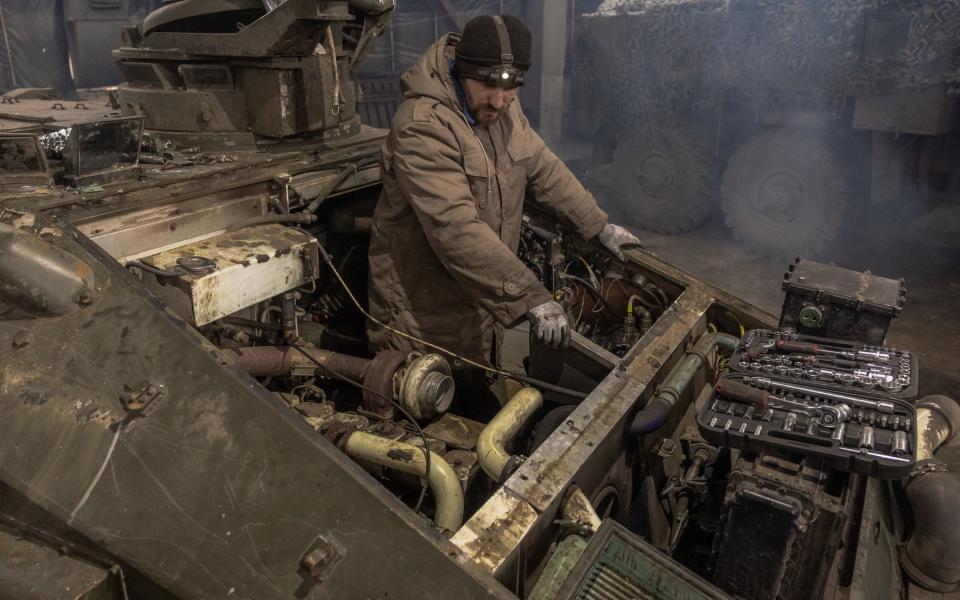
{"points": [[930, 556], [938, 423], [410, 459], [502, 429]]}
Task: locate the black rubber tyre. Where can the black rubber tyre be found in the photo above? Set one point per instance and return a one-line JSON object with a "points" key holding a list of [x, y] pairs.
{"points": [[784, 193], [664, 177]]}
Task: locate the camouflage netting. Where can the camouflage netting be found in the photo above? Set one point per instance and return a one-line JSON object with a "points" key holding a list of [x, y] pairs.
{"points": [[655, 55]]}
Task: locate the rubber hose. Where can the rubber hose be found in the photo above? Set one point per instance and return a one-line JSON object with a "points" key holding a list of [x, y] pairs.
{"points": [[651, 417], [371, 7], [337, 181], [931, 555], [549, 423]]}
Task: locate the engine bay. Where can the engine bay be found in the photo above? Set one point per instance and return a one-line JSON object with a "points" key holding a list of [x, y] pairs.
{"points": [[682, 425], [282, 296], [193, 410]]}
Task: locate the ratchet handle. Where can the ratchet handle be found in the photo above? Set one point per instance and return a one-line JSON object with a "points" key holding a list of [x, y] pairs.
{"points": [[799, 347], [742, 392]]}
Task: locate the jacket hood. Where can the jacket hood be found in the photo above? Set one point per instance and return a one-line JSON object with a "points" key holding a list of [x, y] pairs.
{"points": [[430, 75]]}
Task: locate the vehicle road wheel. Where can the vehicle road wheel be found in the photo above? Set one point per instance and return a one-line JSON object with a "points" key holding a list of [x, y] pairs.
{"points": [[664, 177], [784, 193]]}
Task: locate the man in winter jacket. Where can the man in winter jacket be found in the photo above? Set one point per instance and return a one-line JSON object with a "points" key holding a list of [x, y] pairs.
{"points": [[455, 168]]}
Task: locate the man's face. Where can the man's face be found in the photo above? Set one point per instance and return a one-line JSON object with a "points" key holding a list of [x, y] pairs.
{"points": [[487, 102]]}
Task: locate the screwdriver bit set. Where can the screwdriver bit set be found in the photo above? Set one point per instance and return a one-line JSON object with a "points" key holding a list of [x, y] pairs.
{"points": [[848, 403]]}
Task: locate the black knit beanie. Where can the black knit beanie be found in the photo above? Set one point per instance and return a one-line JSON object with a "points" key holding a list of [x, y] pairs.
{"points": [[480, 43]]}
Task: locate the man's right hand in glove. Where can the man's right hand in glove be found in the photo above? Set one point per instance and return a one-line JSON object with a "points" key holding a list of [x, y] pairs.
{"points": [[549, 324]]}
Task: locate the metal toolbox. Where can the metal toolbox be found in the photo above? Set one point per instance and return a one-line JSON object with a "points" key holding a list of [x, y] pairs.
{"points": [[833, 302], [849, 431], [838, 365]]}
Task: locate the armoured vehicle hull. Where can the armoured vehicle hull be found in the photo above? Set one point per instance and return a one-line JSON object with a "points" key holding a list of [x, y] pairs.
{"points": [[192, 410]]}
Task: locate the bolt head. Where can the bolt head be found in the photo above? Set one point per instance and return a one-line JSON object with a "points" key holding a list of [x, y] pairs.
{"points": [[314, 561], [22, 339]]}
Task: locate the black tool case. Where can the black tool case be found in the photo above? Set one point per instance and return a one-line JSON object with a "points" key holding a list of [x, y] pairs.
{"points": [[850, 431], [837, 365], [833, 302]]}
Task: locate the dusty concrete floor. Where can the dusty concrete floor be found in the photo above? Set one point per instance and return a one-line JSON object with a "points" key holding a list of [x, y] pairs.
{"points": [[924, 250]]}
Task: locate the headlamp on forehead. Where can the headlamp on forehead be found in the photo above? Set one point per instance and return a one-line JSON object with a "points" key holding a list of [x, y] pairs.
{"points": [[505, 75]]}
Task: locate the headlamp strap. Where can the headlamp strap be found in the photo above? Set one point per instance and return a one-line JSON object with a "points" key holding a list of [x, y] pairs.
{"points": [[506, 52]]}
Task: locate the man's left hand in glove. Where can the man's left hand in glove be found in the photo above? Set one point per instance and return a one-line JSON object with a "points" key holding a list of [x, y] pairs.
{"points": [[613, 236]]}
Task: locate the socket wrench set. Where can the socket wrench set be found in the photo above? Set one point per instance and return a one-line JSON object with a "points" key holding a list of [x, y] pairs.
{"points": [[839, 365], [847, 403]]}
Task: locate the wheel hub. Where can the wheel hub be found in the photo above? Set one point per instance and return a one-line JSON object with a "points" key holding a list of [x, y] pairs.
{"points": [[781, 197], [657, 176]]}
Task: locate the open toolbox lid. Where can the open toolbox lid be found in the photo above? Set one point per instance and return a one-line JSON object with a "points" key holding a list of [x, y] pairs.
{"points": [[836, 285]]}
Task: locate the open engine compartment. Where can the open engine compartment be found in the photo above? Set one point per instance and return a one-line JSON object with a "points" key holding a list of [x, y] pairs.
{"points": [[192, 409], [268, 277]]}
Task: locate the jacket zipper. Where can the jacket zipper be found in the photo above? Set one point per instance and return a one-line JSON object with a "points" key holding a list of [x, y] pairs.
{"points": [[486, 159]]}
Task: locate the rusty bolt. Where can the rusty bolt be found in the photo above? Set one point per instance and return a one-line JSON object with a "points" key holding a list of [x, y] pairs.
{"points": [[313, 562], [84, 298], [22, 339], [666, 448], [318, 562]]}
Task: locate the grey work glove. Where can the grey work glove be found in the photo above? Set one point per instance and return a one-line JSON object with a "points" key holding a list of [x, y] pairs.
{"points": [[614, 236], [548, 322]]}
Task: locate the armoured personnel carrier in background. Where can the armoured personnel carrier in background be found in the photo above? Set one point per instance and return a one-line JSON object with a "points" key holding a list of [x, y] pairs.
{"points": [[797, 118], [191, 410]]}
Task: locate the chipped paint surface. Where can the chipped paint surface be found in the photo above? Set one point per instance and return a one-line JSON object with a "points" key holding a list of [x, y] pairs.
{"points": [[597, 422], [496, 530], [581, 448], [252, 264]]}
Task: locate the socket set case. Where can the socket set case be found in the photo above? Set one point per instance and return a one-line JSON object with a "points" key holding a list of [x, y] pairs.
{"points": [[838, 365], [850, 431]]}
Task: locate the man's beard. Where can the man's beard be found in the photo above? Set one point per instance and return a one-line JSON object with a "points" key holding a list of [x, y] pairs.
{"points": [[487, 115]]}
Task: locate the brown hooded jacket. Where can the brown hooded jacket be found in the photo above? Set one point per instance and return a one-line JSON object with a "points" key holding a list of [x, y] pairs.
{"points": [[443, 252]]}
